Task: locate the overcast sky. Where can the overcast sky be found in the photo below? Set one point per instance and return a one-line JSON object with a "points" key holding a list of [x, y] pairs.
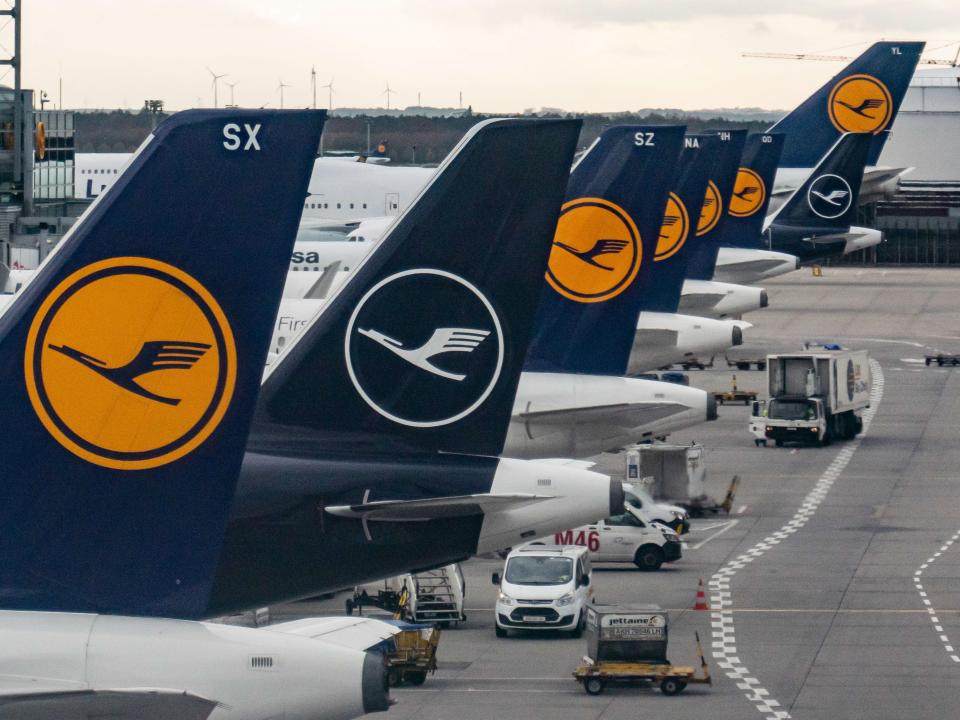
{"points": [[505, 55]]}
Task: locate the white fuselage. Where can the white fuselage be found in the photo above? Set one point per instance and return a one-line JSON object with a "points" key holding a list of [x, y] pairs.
{"points": [[578, 416], [747, 265], [710, 298], [250, 673], [339, 190], [663, 339], [557, 493]]}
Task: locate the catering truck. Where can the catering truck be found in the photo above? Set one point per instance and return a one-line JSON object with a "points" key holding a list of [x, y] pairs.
{"points": [[817, 395]]}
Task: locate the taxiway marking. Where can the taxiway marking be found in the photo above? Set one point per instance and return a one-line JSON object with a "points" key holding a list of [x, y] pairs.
{"points": [[721, 616], [723, 528], [929, 609]]}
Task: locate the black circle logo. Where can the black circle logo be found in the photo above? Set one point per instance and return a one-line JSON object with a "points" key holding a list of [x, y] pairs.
{"points": [[424, 363]]}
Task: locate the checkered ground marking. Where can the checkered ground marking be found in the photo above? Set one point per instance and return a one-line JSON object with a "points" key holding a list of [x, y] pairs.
{"points": [[724, 642]]}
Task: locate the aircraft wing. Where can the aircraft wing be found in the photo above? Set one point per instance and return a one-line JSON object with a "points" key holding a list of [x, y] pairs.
{"points": [[125, 704], [625, 414], [434, 508], [356, 633]]}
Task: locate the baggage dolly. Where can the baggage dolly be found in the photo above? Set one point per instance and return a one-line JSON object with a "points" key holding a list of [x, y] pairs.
{"points": [[673, 679], [627, 644]]}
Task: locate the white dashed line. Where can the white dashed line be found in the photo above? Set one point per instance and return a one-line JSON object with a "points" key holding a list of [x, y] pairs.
{"points": [[923, 596], [721, 615]]}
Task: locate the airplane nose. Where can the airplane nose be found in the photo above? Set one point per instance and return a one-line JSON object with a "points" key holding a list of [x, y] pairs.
{"points": [[617, 496], [711, 407], [737, 336], [764, 300]]}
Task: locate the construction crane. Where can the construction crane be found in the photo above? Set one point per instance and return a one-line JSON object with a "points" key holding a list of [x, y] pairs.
{"points": [[839, 58]]}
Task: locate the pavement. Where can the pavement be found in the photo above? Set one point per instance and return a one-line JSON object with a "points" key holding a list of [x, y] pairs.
{"points": [[835, 582]]}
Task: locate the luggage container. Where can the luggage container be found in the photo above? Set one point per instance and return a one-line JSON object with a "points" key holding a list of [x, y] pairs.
{"points": [[628, 644]]}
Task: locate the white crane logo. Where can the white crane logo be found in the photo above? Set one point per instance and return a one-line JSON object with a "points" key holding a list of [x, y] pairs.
{"points": [[443, 340], [829, 196], [833, 198], [440, 324]]}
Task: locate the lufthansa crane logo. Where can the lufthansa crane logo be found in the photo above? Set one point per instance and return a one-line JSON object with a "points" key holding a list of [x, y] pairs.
{"points": [[829, 196], [711, 211], [860, 104], [424, 348], [596, 251], [674, 230], [749, 192], [130, 363]]}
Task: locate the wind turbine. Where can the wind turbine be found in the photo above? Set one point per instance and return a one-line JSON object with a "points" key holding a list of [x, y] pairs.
{"points": [[280, 87], [388, 92], [232, 86], [329, 87], [215, 79]]}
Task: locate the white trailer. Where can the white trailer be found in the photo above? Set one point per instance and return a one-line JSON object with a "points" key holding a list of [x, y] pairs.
{"points": [[816, 396]]}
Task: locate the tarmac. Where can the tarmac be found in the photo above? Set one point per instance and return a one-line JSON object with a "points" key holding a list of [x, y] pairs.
{"points": [[834, 583]]}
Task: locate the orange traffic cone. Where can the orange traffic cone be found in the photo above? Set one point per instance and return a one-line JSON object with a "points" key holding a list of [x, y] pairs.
{"points": [[701, 603]]}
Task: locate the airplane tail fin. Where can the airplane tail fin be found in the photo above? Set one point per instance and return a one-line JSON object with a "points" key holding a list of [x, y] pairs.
{"points": [[422, 348], [133, 359], [743, 226], [682, 211], [713, 217], [603, 251], [864, 97], [828, 198]]}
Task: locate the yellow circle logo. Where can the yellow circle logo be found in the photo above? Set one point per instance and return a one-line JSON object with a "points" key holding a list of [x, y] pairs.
{"points": [[130, 363], [712, 208], [596, 251], [860, 104], [675, 228], [749, 192]]}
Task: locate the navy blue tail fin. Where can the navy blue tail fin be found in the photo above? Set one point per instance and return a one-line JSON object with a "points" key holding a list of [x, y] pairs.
{"points": [[421, 350], [680, 217], [603, 251], [747, 211], [133, 359], [828, 198], [864, 97], [706, 244]]}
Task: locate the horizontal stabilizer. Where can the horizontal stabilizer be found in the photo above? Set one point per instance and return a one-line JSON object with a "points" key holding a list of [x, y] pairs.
{"points": [[355, 633], [625, 414], [434, 508], [127, 704]]}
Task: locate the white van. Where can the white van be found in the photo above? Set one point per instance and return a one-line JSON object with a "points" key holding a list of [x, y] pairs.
{"points": [[544, 587], [673, 516], [628, 538]]}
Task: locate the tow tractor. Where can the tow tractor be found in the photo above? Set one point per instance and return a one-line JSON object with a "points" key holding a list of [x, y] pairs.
{"points": [[940, 359], [628, 644], [734, 394]]}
